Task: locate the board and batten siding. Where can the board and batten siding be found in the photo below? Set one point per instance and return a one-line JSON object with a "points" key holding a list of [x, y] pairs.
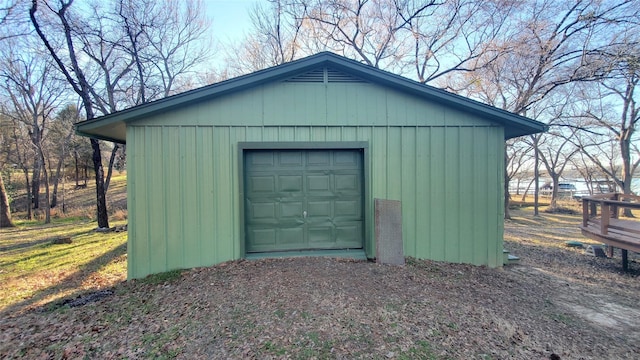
{"points": [[445, 166]]}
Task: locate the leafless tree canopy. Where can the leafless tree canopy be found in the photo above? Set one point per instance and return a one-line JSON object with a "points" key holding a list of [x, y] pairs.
{"points": [[110, 54]]}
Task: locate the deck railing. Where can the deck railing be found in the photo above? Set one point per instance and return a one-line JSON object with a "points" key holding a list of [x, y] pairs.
{"points": [[607, 227]]}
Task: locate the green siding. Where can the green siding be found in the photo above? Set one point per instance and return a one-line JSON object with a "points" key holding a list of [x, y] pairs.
{"points": [[439, 203], [172, 171], [293, 104], [409, 182], [445, 166]]}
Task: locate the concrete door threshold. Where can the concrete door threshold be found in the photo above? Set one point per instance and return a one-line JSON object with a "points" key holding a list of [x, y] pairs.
{"points": [[356, 254]]}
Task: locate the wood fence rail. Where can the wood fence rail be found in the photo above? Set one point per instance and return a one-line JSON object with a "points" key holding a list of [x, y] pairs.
{"points": [[607, 227]]}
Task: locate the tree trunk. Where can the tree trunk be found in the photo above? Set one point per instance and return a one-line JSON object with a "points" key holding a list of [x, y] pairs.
{"points": [[47, 208], [64, 205], [5, 210], [56, 180], [103, 216], [75, 158], [555, 180], [35, 183], [524, 196], [626, 167], [110, 168], [28, 187], [83, 88]]}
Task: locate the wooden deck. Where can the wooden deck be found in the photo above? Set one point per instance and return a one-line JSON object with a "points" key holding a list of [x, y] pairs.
{"points": [[606, 226]]}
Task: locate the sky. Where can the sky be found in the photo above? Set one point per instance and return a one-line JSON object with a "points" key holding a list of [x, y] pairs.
{"points": [[230, 18]]}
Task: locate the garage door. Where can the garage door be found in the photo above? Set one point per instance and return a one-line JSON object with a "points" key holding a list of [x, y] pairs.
{"points": [[303, 199]]}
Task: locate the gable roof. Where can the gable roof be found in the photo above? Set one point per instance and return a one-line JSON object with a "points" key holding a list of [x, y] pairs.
{"points": [[112, 127]]}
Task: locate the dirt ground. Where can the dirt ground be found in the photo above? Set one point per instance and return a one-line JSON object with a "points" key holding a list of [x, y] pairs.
{"points": [[556, 303]]}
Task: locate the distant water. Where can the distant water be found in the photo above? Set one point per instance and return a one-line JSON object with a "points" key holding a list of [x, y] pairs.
{"points": [[581, 186], [635, 185]]}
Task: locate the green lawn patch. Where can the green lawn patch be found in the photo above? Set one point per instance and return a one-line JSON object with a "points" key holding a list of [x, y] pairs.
{"points": [[35, 271]]}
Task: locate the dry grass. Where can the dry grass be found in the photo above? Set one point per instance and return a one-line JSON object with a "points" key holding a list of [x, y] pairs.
{"points": [[78, 203], [33, 271]]}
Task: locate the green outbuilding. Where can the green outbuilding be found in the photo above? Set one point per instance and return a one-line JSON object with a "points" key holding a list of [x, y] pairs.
{"points": [[288, 161]]}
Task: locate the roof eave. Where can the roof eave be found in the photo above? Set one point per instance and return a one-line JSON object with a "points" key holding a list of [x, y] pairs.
{"points": [[99, 137], [210, 91], [398, 82], [509, 120]]}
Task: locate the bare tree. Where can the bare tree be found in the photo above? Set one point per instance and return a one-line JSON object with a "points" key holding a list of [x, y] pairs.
{"points": [[278, 35], [370, 31], [552, 44], [60, 134], [19, 151], [555, 153], [75, 76], [108, 44], [456, 36], [611, 116], [166, 41], [6, 11], [137, 52], [555, 149], [34, 92], [5, 208], [595, 179], [517, 155], [179, 42], [11, 23], [425, 40]]}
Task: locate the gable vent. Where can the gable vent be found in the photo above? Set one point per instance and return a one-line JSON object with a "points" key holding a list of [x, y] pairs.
{"points": [[325, 75]]}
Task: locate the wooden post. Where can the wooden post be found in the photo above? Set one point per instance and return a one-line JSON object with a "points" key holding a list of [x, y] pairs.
{"points": [[625, 260], [610, 251], [614, 207], [585, 212], [604, 218]]}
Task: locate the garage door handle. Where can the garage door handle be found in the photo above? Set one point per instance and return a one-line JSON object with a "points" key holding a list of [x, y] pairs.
{"points": [[304, 214]]}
